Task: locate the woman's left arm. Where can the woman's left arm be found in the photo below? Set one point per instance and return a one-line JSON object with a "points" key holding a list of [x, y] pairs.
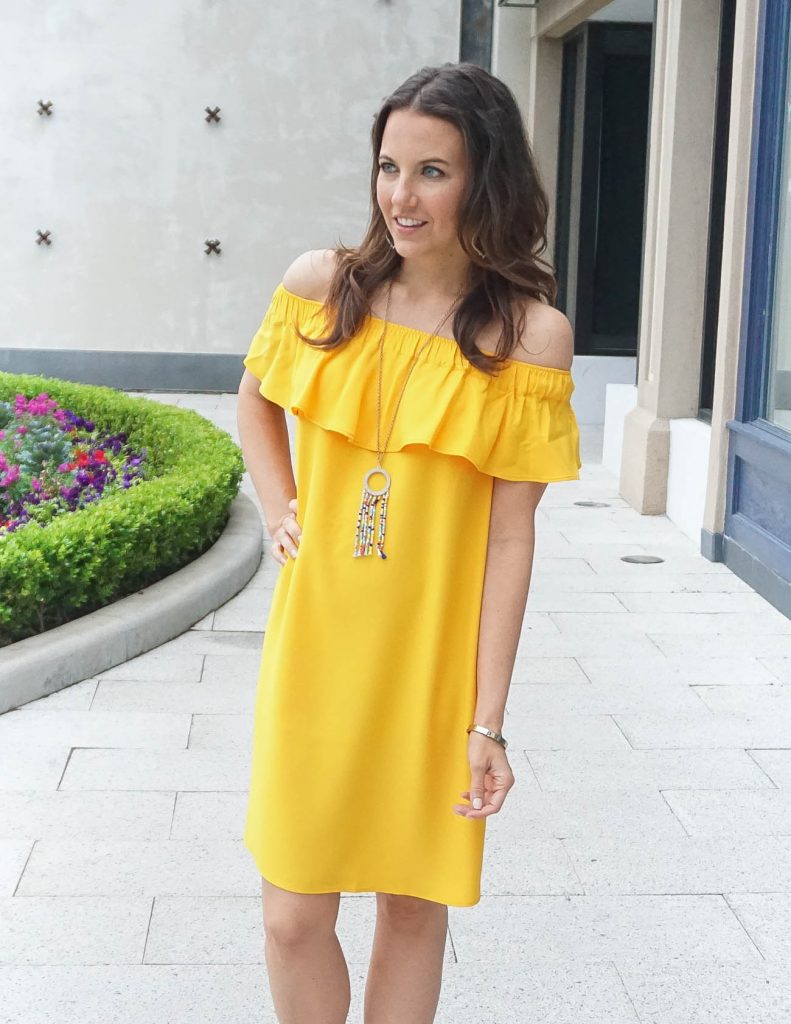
{"points": [[509, 564]]}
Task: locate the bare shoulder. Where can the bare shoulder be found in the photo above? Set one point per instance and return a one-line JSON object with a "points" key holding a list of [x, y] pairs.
{"points": [[547, 338], [310, 274]]}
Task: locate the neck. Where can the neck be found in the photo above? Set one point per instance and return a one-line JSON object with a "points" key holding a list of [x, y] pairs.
{"points": [[420, 277]]}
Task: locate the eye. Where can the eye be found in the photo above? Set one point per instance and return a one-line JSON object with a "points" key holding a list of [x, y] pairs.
{"points": [[384, 164]]}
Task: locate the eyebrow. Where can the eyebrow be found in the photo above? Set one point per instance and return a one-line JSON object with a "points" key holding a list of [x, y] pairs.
{"points": [[428, 160]]}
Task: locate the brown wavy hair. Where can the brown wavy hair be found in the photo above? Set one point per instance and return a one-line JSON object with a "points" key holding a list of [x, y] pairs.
{"points": [[504, 210]]}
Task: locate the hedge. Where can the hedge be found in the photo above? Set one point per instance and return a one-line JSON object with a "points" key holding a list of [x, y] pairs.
{"points": [[129, 539]]}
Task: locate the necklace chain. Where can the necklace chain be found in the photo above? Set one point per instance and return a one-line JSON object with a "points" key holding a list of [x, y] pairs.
{"points": [[371, 498], [380, 451]]}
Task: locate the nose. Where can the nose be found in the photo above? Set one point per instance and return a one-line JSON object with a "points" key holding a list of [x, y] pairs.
{"points": [[403, 195]]}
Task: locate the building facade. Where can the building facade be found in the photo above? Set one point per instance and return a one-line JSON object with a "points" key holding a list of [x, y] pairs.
{"points": [[162, 174], [663, 133]]}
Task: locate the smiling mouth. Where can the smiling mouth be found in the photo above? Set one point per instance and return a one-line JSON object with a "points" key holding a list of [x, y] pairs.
{"points": [[410, 224]]}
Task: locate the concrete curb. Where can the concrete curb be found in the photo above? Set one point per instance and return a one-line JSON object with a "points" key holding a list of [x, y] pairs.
{"points": [[93, 643]]}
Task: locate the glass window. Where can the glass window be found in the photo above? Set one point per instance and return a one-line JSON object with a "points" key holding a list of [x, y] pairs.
{"points": [[778, 407]]}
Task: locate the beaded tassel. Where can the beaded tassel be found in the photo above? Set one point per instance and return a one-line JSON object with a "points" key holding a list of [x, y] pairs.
{"points": [[366, 517]]}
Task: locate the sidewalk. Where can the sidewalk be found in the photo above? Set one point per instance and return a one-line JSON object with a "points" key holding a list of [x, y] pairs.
{"points": [[639, 873]]}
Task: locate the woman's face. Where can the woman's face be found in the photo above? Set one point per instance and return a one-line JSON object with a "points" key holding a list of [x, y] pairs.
{"points": [[421, 177]]}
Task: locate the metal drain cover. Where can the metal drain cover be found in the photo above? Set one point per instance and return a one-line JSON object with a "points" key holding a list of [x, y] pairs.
{"points": [[642, 559], [593, 504]]}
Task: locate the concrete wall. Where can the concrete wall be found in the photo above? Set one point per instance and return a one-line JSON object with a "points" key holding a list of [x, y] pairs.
{"points": [[688, 466], [131, 179]]}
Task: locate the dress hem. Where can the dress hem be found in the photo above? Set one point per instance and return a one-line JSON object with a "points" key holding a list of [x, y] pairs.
{"points": [[356, 888]]}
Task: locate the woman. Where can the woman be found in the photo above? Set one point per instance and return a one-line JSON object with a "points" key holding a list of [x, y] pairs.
{"points": [[406, 541]]}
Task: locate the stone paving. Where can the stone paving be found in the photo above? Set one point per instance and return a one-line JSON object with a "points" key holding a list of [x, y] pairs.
{"points": [[639, 873]]}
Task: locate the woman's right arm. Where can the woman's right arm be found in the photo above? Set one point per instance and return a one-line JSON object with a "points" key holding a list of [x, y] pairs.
{"points": [[263, 433], [263, 436]]}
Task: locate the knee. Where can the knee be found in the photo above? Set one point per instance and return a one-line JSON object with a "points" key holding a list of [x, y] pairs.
{"points": [[290, 930], [410, 911], [296, 919]]}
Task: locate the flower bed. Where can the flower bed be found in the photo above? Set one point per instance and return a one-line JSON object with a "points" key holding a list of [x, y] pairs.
{"points": [[101, 494]]}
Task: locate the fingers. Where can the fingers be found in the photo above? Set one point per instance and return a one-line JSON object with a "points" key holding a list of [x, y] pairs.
{"points": [[493, 800], [287, 536]]}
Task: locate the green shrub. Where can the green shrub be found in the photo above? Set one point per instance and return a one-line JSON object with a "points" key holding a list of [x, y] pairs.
{"points": [[93, 556]]}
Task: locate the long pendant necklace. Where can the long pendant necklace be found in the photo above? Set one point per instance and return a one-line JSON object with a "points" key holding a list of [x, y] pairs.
{"points": [[366, 515]]}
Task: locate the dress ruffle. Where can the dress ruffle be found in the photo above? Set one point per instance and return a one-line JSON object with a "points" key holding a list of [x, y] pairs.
{"points": [[517, 425]]}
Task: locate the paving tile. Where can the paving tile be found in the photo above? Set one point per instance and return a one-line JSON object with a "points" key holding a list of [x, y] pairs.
{"points": [[162, 663], [77, 696], [601, 699], [754, 625], [661, 669], [25, 767], [703, 730], [721, 644], [636, 578], [529, 670], [41, 815], [14, 854], [166, 868], [692, 604], [574, 928], [583, 520], [78, 728], [206, 930], [212, 731], [529, 867], [673, 565], [566, 993], [779, 667], [570, 601], [209, 816], [725, 993], [51, 930], [561, 567], [611, 812], [219, 668], [732, 812], [248, 610], [766, 917], [776, 764], [215, 641], [615, 644], [564, 732], [652, 769], [552, 544], [738, 699], [694, 864], [232, 695], [216, 769]]}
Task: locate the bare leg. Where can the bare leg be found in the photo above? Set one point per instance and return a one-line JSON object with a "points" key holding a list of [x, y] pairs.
{"points": [[405, 972], [308, 976]]}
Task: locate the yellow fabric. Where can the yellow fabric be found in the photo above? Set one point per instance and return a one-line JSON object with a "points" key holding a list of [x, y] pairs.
{"points": [[518, 425], [367, 678]]}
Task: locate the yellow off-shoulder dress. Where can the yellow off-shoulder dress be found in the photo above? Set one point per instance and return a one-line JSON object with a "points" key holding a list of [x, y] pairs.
{"points": [[367, 677]]}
